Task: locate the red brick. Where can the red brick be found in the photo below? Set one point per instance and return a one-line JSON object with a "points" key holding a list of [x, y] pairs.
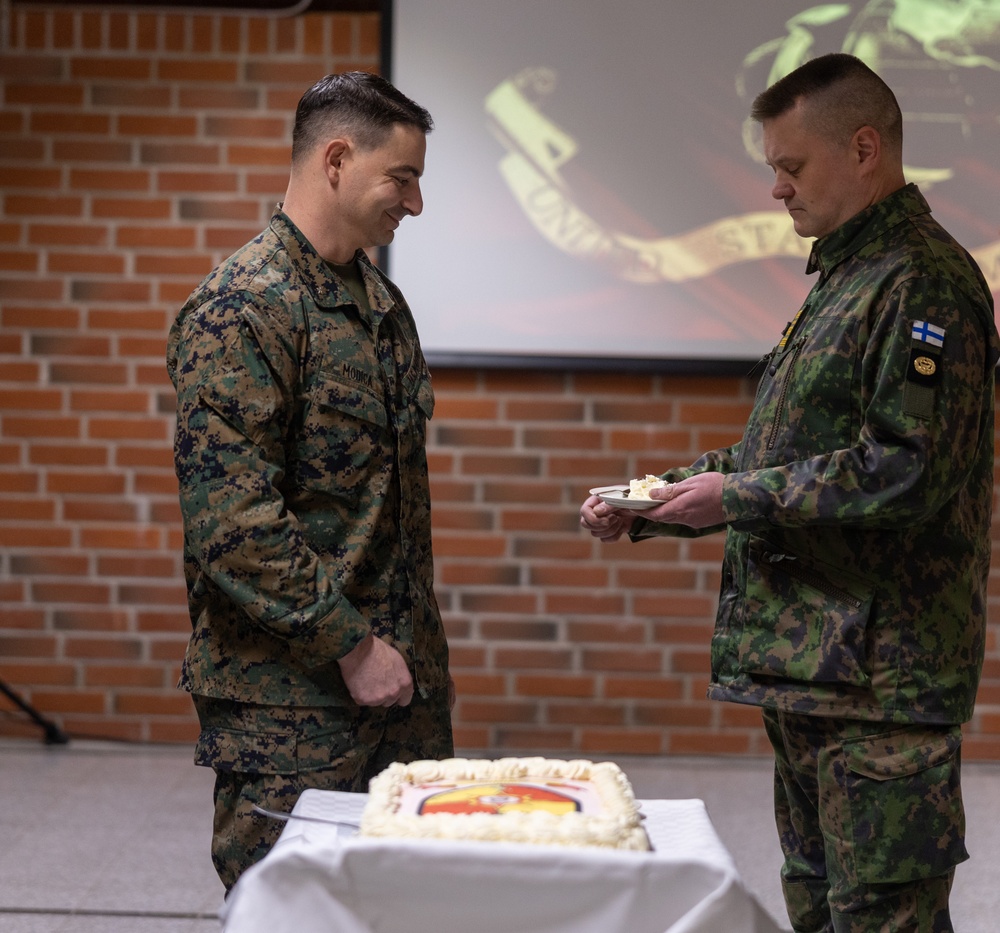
{"points": [[517, 629], [552, 685], [539, 740], [163, 622], [640, 660], [33, 536], [75, 700], [159, 124], [200, 70], [19, 482], [43, 94], [93, 179], [118, 68], [90, 262], [550, 520], [621, 742], [121, 537], [611, 632], [175, 237], [608, 383], [83, 150], [158, 703], [643, 688], [480, 684], [85, 482], [50, 674], [82, 455], [67, 235], [67, 123], [457, 574], [41, 564], [30, 177], [131, 208], [581, 603], [261, 154], [537, 657], [27, 646], [585, 714], [27, 510], [670, 715], [707, 743], [497, 710], [57, 205], [107, 648], [122, 675]]}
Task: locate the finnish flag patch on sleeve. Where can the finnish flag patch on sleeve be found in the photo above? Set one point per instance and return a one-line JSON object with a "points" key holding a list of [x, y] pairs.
{"points": [[928, 333], [923, 372]]}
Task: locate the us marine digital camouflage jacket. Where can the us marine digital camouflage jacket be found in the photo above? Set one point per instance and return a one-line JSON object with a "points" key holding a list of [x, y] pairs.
{"points": [[300, 455], [858, 501]]}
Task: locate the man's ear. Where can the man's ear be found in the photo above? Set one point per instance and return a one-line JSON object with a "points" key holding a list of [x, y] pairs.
{"points": [[333, 157], [867, 145]]}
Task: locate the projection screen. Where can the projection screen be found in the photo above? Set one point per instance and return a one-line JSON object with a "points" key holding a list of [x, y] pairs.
{"points": [[595, 196]]}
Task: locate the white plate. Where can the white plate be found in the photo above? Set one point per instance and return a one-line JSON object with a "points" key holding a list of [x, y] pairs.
{"points": [[618, 497]]}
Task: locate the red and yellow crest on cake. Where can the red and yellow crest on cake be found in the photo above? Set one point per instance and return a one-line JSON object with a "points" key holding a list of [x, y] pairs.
{"points": [[500, 798]]}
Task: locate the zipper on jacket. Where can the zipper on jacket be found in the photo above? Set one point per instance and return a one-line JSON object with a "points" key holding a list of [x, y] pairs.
{"points": [[759, 365], [789, 365]]}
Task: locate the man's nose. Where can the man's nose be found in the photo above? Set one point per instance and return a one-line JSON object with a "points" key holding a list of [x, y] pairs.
{"points": [[781, 190], [413, 203]]}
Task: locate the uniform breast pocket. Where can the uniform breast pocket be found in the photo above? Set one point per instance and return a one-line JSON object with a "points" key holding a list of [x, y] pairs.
{"points": [[804, 621], [344, 444]]}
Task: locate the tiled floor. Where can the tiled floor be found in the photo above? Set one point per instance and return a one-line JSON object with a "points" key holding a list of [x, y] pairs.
{"points": [[104, 838]]}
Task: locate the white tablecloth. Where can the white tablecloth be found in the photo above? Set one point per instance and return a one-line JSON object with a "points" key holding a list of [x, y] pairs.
{"points": [[321, 878]]}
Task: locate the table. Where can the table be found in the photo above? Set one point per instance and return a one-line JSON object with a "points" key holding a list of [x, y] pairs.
{"points": [[321, 878]]}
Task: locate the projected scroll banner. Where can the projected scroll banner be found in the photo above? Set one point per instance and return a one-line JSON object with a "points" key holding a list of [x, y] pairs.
{"points": [[594, 189]]}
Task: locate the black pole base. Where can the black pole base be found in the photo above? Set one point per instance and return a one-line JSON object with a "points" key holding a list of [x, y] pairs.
{"points": [[52, 734]]}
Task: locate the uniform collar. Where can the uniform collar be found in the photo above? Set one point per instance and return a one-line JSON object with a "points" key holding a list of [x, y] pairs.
{"points": [[831, 250], [327, 289]]}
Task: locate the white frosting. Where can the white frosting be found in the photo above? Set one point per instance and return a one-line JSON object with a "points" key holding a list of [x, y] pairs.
{"points": [[616, 825], [639, 488]]}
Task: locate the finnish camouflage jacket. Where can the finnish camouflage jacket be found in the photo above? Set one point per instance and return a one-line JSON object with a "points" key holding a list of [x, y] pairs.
{"points": [[300, 456], [858, 501]]}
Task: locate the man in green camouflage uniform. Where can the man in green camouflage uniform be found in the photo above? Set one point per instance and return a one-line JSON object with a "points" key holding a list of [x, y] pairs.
{"points": [[317, 655], [857, 512]]}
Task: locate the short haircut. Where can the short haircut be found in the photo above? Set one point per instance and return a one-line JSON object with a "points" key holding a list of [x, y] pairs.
{"points": [[356, 104], [840, 94]]}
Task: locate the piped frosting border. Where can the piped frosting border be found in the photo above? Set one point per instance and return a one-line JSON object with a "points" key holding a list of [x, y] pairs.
{"points": [[619, 827]]}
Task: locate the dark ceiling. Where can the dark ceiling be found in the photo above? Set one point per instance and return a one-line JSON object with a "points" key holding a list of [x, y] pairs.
{"points": [[270, 6]]}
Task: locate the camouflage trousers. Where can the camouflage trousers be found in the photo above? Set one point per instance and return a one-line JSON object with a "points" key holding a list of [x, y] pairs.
{"points": [[268, 755], [871, 823]]}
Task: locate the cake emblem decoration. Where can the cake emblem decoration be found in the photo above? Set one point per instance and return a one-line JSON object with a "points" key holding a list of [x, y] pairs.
{"points": [[540, 801]]}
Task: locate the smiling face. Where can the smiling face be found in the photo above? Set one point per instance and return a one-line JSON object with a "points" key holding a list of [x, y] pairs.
{"points": [[378, 187], [821, 182]]}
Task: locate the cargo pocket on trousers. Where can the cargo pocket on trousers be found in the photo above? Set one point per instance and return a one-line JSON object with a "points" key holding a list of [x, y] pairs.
{"points": [[246, 752], [906, 804]]}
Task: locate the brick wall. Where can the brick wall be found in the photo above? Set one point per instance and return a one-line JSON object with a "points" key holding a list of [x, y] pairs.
{"points": [[136, 151]]}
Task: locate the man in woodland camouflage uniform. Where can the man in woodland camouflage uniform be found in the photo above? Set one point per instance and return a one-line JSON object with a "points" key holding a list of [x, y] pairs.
{"points": [[317, 655], [857, 508]]}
